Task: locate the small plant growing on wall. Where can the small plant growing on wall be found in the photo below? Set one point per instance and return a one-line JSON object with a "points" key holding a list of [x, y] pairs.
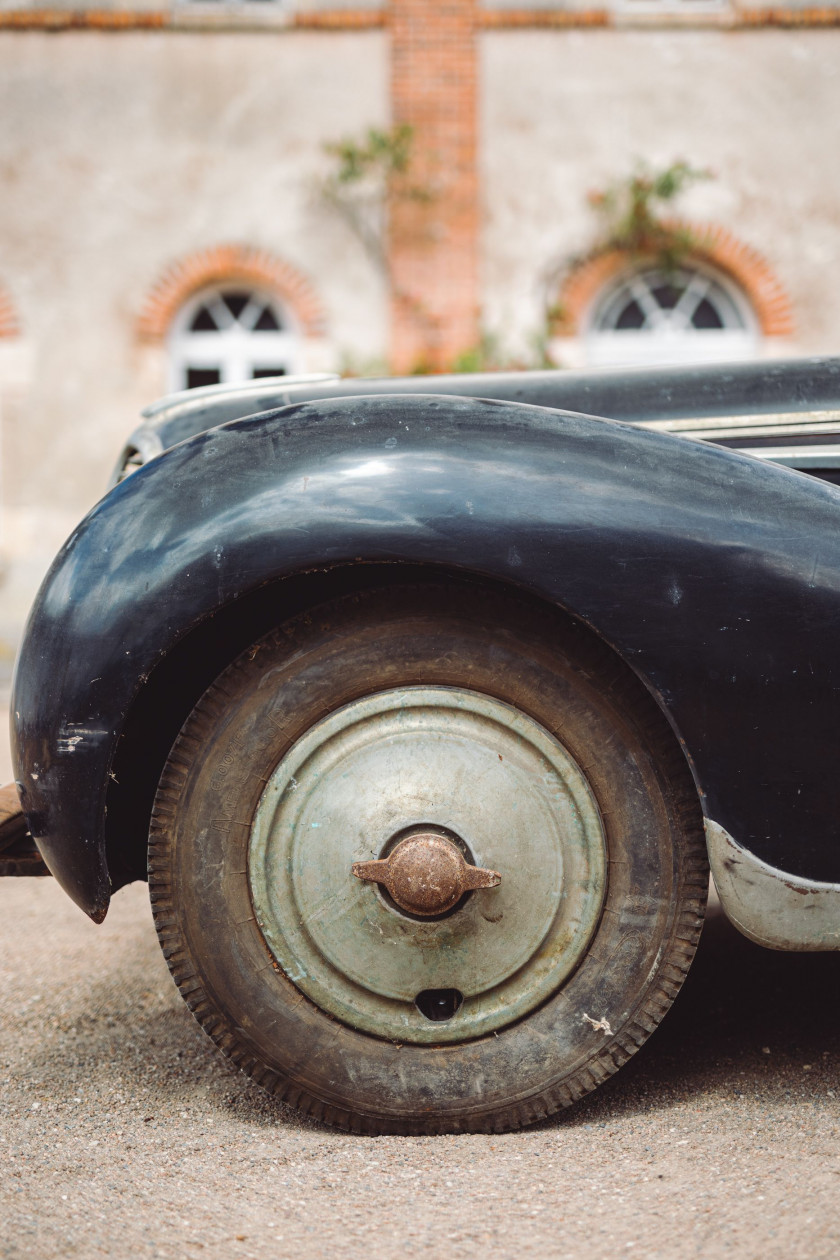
{"points": [[632, 213], [634, 218], [489, 355], [365, 175], [368, 175]]}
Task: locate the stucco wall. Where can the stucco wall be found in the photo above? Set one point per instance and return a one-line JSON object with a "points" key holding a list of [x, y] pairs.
{"points": [[564, 112], [119, 154]]}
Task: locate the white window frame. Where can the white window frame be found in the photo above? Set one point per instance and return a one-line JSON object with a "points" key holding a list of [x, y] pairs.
{"points": [[236, 350], [670, 338]]}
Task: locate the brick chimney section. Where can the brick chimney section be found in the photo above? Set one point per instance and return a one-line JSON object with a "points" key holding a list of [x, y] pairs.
{"points": [[433, 239]]}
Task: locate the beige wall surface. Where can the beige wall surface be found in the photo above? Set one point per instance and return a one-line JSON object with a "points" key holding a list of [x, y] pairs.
{"points": [[564, 112], [119, 155]]}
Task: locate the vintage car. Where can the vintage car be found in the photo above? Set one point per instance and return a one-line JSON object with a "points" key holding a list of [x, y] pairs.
{"points": [[424, 706]]}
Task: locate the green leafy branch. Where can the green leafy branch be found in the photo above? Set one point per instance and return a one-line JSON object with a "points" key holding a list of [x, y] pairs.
{"points": [[632, 210], [634, 219], [366, 174]]}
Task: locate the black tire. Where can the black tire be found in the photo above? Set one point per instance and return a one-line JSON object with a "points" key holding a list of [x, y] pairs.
{"points": [[557, 1045]]}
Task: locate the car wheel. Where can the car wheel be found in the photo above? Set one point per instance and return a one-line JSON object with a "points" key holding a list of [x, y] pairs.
{"points": [[428, 860]]}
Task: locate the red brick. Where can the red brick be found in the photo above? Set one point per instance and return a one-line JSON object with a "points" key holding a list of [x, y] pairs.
{"points": [[433, 243], [9, 324], [497, 19], [218, 265]]}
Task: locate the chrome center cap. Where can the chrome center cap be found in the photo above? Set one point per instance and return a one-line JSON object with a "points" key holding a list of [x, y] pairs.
{"points": [[426, 874]]}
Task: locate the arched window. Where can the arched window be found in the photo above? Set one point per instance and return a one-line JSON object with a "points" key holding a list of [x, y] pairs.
{"points": [[687, 315], [229, 334]]}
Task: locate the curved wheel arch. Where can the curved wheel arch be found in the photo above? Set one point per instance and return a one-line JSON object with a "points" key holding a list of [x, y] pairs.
{"points": [[165, 699]]}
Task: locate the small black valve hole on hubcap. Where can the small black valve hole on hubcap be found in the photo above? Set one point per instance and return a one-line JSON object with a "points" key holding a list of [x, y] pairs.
{"points": [[439, 1004]]}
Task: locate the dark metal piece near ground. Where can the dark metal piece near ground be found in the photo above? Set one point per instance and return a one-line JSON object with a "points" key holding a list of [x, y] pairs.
{"points": [[18, 852], [22, 858], [426, 874], [12, 821]]}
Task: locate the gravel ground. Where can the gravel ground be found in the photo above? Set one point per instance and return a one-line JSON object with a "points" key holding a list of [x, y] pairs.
{"points": [[124, 1133]]}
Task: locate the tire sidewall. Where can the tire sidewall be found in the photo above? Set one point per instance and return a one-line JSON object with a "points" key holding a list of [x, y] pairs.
{"points": [[275, 692]]}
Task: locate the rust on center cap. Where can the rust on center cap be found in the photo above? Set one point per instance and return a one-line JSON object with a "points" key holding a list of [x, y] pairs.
{"points": [[426, 874]]}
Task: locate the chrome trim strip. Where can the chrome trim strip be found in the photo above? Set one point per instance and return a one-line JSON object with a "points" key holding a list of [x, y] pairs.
{"points": [[239, 389], [760, 424], [796, 456]]}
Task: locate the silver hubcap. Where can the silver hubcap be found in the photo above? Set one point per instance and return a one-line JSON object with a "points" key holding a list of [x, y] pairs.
{"points": [[447, 761]]}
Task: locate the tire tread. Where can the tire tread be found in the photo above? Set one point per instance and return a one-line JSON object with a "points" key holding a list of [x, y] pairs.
{"points": [[628, 694]]}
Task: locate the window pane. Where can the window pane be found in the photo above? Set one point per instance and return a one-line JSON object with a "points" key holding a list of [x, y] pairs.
{"points": [[204, 321], [630, 317], [706, 316], [267, 321], [260, 372], [236, 302], [667, 295], [197, 377]]}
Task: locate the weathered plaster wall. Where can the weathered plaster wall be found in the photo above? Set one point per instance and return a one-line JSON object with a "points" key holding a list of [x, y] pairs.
{"points": [[564, 112], [120, 154]]}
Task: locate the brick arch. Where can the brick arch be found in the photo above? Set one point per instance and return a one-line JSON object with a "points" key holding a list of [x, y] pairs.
{"points": [[222, 264], [9, 322], [714, 245]]}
